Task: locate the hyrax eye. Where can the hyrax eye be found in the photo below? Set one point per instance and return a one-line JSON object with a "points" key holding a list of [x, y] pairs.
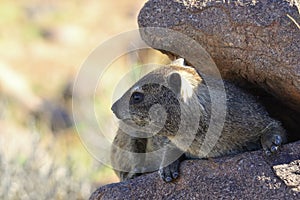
{"points": [[137, 97]]}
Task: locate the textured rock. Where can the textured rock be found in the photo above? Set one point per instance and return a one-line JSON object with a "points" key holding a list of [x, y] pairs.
{"points": [[244, 176], [253, 41]]}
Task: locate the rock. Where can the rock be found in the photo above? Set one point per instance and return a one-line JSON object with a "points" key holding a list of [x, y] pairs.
{"points": [[257, 42], [248, 175]]}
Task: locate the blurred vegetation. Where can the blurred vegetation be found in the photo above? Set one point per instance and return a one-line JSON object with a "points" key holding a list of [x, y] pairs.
{"points": [[43, 44]]}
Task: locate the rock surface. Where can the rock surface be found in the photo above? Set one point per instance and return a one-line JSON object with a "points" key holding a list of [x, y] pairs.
{"points": [[244, 176], [253, 41]]}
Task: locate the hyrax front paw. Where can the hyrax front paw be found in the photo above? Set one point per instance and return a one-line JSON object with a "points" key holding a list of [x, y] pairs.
{"points": [[273, 137], [271, 142], [170, 172]]}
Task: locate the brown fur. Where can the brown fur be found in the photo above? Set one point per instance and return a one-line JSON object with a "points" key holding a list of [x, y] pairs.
{"points": [[247, 124]]}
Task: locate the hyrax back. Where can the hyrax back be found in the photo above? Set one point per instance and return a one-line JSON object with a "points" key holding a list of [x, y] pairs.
{"points": [[184, 96]]}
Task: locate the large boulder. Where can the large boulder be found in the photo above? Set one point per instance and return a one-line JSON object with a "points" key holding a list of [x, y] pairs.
{"points": [[253, 41], [255, 44], [248, 175]]}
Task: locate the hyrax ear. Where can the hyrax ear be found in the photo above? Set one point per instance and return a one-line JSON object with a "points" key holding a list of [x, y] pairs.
{"points": [[174, 82]]}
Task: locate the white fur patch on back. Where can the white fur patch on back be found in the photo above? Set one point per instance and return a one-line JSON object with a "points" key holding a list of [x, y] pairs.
{"points": [[178, 62], [188, 84]]}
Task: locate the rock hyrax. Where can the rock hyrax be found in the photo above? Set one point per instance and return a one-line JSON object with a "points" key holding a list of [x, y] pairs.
{"points": [[184, 96]]}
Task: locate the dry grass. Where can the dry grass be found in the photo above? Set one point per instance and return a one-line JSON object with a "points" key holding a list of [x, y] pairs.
{"points": [[43, 44], [30, 172]]}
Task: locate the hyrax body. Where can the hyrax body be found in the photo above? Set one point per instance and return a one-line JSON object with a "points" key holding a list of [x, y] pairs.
{"points": [[182, 119]]}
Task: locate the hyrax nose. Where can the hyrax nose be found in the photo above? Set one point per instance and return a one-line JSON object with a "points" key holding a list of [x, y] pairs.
{"points": [[114, 108]]}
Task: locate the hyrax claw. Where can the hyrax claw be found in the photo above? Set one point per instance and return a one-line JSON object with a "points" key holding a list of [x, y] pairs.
{"points": [[170, 172]]}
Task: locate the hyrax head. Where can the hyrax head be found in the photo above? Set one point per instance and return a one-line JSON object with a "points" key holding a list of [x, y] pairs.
{"points": [[158, 95]]}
